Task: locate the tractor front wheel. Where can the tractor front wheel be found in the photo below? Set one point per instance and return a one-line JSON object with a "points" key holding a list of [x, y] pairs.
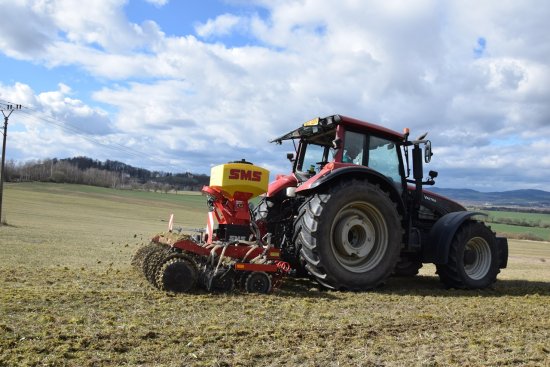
{"points": [[473, 258], [351, 235]]}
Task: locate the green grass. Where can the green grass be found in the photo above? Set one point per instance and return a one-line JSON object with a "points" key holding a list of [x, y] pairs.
{"points": [[73, 224], [521, 232], [531, 217], [540, 231], [69, 297]]}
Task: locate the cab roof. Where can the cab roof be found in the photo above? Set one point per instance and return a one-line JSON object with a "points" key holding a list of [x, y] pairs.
{"points": [[317, 125]]}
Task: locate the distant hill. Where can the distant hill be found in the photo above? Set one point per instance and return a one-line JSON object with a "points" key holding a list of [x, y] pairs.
{"points": [[514, 198]]}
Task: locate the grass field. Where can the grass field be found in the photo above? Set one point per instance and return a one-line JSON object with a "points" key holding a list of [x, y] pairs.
{"points": [[541, 222], [542, 218], [69, 297]]}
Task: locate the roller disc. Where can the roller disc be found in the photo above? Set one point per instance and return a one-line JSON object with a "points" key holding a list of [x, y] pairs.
{"points": [[225, 283], [177, 275], [154, 262], [142, 253]]}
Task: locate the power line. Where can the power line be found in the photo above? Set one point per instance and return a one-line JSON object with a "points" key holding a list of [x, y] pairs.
{"points": [[10, 108], [41, 117]]}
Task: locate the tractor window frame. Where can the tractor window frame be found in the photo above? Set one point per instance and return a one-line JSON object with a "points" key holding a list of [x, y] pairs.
{"points": [[299, 164], [368, 136], [351, 141], [323, 138], [384, 143]]}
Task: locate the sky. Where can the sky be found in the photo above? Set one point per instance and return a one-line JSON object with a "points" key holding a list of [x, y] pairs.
{"points": [[185, 85]]}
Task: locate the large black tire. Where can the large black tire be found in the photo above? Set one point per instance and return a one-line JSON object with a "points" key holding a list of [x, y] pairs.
{"points": [[473, 258], [350, 235]]}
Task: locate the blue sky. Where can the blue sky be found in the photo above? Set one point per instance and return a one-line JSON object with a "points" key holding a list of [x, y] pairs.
{"points": [[180, 17], [184, 85]]}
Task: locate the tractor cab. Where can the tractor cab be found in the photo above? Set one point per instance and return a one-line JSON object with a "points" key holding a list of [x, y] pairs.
{"points": [[347, 142]]}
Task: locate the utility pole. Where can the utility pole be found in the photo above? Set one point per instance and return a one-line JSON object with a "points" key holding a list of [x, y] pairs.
{"points": [[9, 108]]}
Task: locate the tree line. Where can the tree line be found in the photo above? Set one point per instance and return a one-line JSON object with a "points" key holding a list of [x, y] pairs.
{"points": [[113, 174]]}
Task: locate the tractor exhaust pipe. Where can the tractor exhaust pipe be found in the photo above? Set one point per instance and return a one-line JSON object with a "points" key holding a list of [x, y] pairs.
{"points": [[418, 174]]}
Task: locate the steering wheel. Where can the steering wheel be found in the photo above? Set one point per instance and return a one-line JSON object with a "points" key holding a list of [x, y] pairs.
{"points": [[321, 164]]}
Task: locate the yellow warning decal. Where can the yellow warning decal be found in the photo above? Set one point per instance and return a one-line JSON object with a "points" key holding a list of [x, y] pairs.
{"points": [[313, 122]]}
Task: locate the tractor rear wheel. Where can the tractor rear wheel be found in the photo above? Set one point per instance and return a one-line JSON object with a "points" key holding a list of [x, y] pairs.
{"points": [[473, 258], [178, 274], [351, 235]]}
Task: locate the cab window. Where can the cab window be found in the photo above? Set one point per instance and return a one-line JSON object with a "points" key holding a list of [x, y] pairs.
{"points": [[383, 158], [354, 144], [380, 154], [313, 155]]}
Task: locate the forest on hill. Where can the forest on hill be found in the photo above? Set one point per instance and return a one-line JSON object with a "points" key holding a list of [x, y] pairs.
{"points": [[114, 174]]}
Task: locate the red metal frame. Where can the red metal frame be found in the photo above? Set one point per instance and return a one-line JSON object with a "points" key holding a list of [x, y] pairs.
{"points": [[281, 183], [365, 126], [235, 251], [329, 167], [229, 210], [267, 268]]}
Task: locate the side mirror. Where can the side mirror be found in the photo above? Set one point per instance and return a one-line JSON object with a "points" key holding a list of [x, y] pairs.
{"points": [[431, 180], [337, 143], [428, 152], [290, 157]]}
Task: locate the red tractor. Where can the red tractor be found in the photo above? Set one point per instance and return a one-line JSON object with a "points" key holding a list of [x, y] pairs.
{"points": [[349, 216]]}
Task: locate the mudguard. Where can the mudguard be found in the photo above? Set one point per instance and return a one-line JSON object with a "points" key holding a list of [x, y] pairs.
{"points": [[334, 171], [441, 235], [502, 243]]}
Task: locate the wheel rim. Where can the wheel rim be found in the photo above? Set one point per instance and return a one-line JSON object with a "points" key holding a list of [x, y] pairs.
{"points": [[359, 237], [477, 258], [258, 283]]}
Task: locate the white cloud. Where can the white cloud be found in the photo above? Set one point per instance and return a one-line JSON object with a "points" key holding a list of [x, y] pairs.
{"points": [[18, 93], [221, 26], [402, 64], [158, 3], [55, 109], [50, 27], [30, 40]]}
